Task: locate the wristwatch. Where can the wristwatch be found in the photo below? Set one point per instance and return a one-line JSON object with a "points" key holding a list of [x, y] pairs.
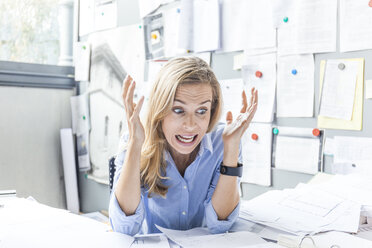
{"points": [[231, 171]]}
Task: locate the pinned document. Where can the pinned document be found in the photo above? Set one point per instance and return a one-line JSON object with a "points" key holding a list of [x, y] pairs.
{"points": [[357, 114], [82, 61], [298, 149], [257, 154]]}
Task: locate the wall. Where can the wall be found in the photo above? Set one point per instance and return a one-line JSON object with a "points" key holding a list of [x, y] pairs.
{"points": [[95, 196]]}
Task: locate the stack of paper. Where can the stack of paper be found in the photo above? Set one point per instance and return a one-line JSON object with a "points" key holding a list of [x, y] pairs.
{"points": [[303, 210]]}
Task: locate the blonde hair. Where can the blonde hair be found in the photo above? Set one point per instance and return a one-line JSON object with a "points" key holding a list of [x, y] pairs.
{"points": [[178, 71]]}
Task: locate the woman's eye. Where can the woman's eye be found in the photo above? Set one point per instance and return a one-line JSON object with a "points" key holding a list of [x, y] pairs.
{"points": [[178, 110], [202, 111]]}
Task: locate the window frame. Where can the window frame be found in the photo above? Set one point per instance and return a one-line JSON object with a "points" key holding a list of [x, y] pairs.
{"points": [[36, 75]]}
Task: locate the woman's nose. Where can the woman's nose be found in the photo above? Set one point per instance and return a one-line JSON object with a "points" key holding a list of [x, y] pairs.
{"points": [[189, 122]]}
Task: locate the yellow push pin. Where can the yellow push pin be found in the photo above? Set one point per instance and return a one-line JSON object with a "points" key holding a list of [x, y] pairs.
{"points": [[154, 36]]}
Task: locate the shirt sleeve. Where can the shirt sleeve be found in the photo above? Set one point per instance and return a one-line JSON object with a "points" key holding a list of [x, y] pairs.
{"points": [[214, 224], [119, 221]]}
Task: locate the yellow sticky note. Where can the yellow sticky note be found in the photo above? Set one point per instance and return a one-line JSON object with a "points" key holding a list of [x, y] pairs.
{"points": [[356, 121], [368, 89]]}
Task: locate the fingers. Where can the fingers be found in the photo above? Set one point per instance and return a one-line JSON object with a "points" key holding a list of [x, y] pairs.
{"points": [[229, 117], [244, 102], [129, 98], [128, 79], [138, 107]]}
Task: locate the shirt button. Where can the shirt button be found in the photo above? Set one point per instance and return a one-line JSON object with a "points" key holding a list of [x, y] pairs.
{"points": [[183, 213], [185, 187]]}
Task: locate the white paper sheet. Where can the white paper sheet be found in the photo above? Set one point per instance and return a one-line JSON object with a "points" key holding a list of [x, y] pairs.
{"points": [[234, 21], [86, 17], [151, 240], [299, 35], [147, 6], [171, 30], [257, 154], [186, 26], [337, 97], [355, 25], [368, 89], [295, 92], [232, 96], [80, 114], [82, 61], [206, 25], [260, 32], [280, 10], [105, 14], [303, 210], [198, 238], [265, 85], [352, 149], [297, 154]]}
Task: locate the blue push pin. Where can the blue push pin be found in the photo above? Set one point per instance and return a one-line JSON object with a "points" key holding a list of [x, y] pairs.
{"points": [[275, 131], [294, 71], [178, 10]]}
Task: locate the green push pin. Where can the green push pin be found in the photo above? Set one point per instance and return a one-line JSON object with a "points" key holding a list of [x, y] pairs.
{"points": [[83, 117], [285, 19], [84, 47], [102, 13], [139, 26], [86, 176], [275, 131]]}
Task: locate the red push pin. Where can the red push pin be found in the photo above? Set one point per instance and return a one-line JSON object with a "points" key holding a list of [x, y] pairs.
{"points": [[370, 3], [316, 132], [258, 74], [254, 136]]}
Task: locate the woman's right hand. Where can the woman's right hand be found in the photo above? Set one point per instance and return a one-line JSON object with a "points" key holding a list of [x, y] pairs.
{"points": [[136, 130]]}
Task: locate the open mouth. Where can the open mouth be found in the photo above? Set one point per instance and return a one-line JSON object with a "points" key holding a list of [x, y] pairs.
{"points": [[187, 139]]}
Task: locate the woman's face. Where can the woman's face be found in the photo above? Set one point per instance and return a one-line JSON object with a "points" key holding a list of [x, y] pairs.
{"points": [[188, 121]]}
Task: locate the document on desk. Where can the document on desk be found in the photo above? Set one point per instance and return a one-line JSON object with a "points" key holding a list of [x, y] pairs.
{"points": [[295, 86], [302, 211], [150, 240], [338, 92], [299, 36], [201, 238], [232, 90], [257, 142], [260, 72], [355, 25], [297, 154]]}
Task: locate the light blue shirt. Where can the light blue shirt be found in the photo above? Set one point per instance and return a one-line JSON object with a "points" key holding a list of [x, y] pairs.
{"points": [[188, 201]]}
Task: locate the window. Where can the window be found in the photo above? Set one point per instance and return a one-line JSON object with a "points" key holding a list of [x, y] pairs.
{"points": [[29, 31]]}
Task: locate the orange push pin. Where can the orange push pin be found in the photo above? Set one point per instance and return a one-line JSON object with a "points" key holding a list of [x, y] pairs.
{"points": [[316, 132], [254, 136], [258, 74], [154, 36]]}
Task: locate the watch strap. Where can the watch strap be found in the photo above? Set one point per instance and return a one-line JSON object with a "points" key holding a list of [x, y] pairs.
{"points": [[231, 171]]}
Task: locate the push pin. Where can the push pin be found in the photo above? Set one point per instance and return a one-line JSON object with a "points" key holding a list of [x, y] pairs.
{"points": [[254, 136], [341, 66], [316, 132], [370, 3], [258, 74], [354, 165], [178, 10], [275, 131], [294, 71], [285, 19], [154, 36]]}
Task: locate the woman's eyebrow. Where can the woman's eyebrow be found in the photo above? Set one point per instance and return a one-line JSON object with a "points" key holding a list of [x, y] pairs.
{"points": [[177, 100]]}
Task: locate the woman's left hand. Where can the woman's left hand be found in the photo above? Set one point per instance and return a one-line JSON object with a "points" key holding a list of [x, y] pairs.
{"points": [[235, 129]]}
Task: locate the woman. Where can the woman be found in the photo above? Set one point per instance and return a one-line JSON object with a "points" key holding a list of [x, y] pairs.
{"points": [[181, 170]]}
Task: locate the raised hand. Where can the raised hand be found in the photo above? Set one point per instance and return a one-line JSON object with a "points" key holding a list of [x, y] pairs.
{"points": [[234, 130], [136, 130]]}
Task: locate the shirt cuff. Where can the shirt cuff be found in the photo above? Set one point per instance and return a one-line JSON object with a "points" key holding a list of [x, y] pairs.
{"points": [[122, 223], [219, 226]]}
